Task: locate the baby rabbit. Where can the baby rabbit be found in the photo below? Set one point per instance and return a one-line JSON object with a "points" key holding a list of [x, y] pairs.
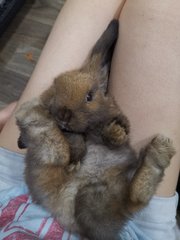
{"points": [[79, 162]]}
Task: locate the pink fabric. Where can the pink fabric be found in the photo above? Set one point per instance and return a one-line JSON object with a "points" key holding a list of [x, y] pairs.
{"points": [[19, 221]]}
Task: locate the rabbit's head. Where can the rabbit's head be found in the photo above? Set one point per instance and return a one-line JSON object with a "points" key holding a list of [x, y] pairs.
{"points": [[78, 99]]}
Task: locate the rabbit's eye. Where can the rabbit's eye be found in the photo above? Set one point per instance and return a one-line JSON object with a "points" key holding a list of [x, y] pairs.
{"points": [[89, 97]]}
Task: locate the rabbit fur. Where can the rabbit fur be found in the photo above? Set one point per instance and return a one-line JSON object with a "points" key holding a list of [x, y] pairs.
{"points": [[80, 165]]}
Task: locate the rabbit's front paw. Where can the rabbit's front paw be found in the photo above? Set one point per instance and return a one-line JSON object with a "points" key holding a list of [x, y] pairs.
{"points": [[123, 122], [114, 134]]}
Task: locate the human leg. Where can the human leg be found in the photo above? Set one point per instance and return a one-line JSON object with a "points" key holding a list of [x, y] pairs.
{"points": [[134, 72], [77, 28], [5, 114], [145, 76], [128, 65]]}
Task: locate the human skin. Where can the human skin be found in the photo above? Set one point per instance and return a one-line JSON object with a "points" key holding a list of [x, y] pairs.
{"points": [[145, 69], [5, 114]]}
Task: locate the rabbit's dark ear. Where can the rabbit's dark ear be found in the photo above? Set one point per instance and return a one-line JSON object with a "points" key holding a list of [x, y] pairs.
{"points": [[105, 45], [101, 54]]}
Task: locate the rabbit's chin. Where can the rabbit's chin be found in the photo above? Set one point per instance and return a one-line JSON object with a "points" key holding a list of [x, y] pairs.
{"points": [[65, 127]]}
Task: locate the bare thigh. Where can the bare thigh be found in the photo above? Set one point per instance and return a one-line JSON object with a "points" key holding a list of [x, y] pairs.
{"points": [[145, 77], [145, 70], [77, 28]]}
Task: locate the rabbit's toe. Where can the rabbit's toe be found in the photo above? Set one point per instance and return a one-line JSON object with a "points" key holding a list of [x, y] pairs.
{"points": [[163, 150], [164, 145], [115, 134], [123, 122]]}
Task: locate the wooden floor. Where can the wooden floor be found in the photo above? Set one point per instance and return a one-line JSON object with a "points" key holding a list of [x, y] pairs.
{"points": [[21, 45]]}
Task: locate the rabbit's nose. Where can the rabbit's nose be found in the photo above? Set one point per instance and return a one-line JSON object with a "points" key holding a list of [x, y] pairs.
{"points": [[65, 114]]}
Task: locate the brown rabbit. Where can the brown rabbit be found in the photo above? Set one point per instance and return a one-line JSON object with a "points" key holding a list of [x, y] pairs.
{"points": [[79, 162]]}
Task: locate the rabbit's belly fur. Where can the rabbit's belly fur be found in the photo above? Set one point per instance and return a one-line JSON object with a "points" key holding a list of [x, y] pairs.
{"points": [[98, 159]]}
